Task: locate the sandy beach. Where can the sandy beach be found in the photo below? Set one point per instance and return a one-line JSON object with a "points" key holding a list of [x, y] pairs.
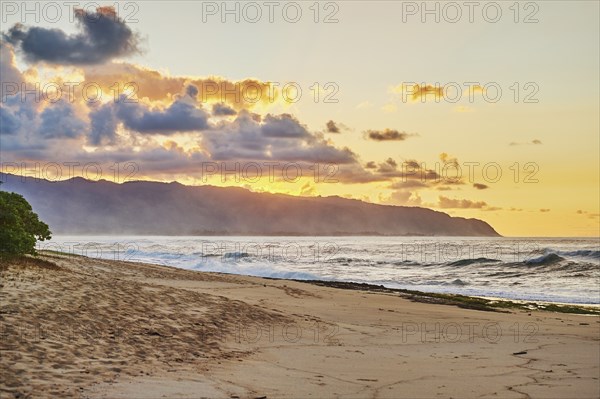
{"points": [[79, 327], [299, 199]]}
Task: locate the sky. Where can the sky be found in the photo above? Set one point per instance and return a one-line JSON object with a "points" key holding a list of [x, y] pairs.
{"points": [[488, 111]]}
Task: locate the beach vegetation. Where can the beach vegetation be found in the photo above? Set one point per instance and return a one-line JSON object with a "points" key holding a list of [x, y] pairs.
{"points": [[20, 226]]}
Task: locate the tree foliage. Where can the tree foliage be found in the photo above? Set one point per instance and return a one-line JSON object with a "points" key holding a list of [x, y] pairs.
{"points": [[20, 227]]}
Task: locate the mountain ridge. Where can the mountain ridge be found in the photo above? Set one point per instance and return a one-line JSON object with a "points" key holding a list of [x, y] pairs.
{"points": [[141, 207]]}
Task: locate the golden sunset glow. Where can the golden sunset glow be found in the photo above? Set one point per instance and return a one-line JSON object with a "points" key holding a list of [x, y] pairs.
{"points": [[508, 133]]}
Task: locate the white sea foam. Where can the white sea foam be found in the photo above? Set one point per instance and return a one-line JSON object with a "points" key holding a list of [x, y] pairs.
{"points": [[554, 270]]}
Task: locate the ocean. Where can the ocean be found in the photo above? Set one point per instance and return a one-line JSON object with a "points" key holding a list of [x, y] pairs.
{"points": [[562, 270]]}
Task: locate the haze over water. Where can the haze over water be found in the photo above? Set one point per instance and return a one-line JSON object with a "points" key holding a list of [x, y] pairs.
{"points": [[540, 269]]}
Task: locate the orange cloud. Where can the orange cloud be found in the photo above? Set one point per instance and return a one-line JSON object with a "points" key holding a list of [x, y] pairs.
{"points": [[158, 86]]}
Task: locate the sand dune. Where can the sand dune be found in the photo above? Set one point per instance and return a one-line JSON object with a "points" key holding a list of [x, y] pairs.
{"points": [[80, 327]]}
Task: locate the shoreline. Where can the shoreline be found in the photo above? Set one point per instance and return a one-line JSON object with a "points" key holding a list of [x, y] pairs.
{"points": [[529, 271], [483, 302], [488, 301], [93, 328], [510, 302]]}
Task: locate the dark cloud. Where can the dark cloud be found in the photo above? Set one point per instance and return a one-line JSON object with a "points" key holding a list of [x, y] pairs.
{"points": [[492, 208], [408, 184], [221, 109], [449, 203], [283, 126], [332, 127], [389, 166], [410, 174], [19, 122], [102, 37], [408, 170], [59, 120], [277, 138], [183, 115], [403, 197], [180, 116], [246, 137], [448, 159], [480, 186], [419, 91], [191, 91], [543, 210], [9, 122], [249, 137], [354, 173], [534, 142], [412, 164], [387, 135], [103, 125]]}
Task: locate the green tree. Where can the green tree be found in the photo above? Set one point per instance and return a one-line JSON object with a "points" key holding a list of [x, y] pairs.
{"points": [[20, 227]]}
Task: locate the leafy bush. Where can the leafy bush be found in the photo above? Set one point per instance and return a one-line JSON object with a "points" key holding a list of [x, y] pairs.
{"points": [[20, 227]]}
